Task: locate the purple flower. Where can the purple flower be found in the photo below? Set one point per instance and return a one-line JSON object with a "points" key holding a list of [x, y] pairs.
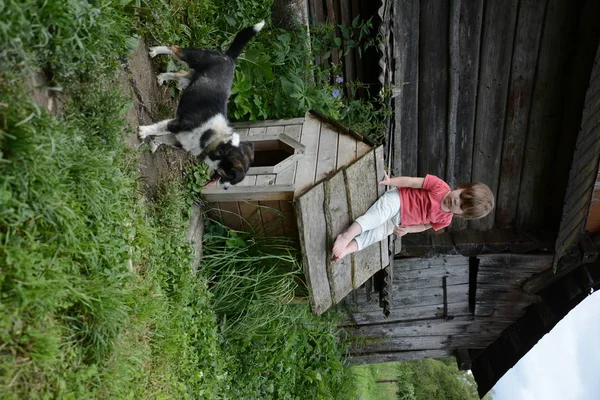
{"points": [[335, 94], [339, 79]]}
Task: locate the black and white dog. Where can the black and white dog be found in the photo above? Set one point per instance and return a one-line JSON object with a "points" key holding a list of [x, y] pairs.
{"points": [[201, 126]]}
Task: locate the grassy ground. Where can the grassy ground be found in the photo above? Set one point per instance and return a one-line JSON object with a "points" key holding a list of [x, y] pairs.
{"points": [[366, 377], [97, 299]]}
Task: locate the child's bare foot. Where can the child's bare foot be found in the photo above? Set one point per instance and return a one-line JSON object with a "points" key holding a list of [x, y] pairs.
{"points": [[341, 242], [351, 248]]}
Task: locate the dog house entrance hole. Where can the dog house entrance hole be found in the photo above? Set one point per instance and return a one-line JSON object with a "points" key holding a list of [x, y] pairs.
{"points": [[274, 153], [269, 157]]}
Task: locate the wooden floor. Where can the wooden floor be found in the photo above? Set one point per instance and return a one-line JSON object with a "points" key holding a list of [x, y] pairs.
{"points": [[326, 210]]}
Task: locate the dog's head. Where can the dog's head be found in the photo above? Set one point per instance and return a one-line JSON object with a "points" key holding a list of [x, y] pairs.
{"points": [[232, 162]]}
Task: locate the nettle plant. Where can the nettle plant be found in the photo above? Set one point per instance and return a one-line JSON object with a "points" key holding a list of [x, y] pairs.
{"points": [[279, 77]]}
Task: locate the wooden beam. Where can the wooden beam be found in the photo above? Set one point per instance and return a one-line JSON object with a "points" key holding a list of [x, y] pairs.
{"points": [[313, 242], [249, 193], [268, 122], [463, 359]]}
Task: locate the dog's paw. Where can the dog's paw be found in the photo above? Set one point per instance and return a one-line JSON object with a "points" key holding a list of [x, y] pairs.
{"points": [[153, 52], [154, 146], [161, 79], [144, 131]]}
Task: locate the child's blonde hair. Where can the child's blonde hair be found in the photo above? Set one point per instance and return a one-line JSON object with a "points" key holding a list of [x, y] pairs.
{"points": [[477, 200]]}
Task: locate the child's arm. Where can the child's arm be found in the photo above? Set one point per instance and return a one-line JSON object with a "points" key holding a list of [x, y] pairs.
{"points": [[403, 230], [404, 181]]}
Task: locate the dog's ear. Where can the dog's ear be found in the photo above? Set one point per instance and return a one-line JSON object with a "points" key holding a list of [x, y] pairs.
{"points": [[248, 150]]}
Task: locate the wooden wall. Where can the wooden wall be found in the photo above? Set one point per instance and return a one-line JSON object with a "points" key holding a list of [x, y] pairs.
{"points": [[354, 67], [493, 92], [443, 304]]}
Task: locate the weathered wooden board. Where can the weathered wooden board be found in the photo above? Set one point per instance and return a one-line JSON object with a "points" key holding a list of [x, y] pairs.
{"points": [[433, 296], [406, 33], [496, 51], [265, 123], [230, 214], [444, 264], [524, 62], [346, 151], [407, 314], [338, 219], [249, 193], [465, 38], [287, 176], [432, 327], [361, 187], [327, 153], [313, 240], [416, 343], [433, 87], [380, 170], [305, 172], [516, 262], [433, 282], [545, 114]]}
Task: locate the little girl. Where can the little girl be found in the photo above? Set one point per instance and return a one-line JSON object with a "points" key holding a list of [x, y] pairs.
{"points": [[414, 205]]}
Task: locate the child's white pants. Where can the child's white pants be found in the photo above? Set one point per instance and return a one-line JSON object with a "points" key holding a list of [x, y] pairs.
{"points": [[379, 220]]}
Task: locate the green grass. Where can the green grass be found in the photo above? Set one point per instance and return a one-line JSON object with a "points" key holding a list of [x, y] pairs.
{"points": [[96, 295], [366, 377]]}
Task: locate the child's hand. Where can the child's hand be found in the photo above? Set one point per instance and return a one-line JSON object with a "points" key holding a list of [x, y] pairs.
{"points": [[386, 179], [400, 231]]}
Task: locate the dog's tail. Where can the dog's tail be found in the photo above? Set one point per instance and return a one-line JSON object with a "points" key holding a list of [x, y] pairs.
{"points": [[243, 37]]}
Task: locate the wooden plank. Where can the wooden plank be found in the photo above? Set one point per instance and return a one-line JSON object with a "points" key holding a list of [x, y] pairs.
{"points": [[327, 153], [305, 172], [432, 296], [249, 193], [380, 170], [330, 5], [405, 141], [445, 264], [516, 262], [433, 88], [361, 184], [230, 214], [433, 327], [460, 309], [362, 149], [267, 122], [525, 53], [257, 131], [275, 130], [465, 37], [496, 51], [459, 272], [271, 218], [250, 215], [290, 226], [242, 132], [346, 152], [313, 242], [337, 220], [286, 177], [430, 282], [349, 53], [545, 114], [416, 343]]}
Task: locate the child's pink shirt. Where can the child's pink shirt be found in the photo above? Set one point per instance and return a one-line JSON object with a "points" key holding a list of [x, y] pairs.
{"points": [[424, 206]]}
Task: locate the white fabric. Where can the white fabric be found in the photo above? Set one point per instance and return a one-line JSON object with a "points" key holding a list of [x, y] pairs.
{"points": [[379, 220]]}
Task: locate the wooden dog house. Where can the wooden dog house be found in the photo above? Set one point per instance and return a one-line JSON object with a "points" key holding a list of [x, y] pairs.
{"points": [[311, 177]]}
